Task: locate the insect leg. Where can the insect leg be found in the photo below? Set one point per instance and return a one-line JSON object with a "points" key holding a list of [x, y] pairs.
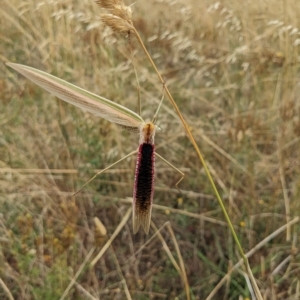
{"points": [[102, 171], [168, 163]]}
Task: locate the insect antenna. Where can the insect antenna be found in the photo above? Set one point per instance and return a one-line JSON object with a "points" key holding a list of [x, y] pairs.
{"points": [[136, 75], [158, 108]]}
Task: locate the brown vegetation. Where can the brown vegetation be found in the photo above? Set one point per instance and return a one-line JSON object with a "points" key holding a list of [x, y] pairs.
{"points": [[233, 70]]}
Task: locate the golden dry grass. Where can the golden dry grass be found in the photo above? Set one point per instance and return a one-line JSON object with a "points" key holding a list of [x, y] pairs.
{"points": [[233, 70]]}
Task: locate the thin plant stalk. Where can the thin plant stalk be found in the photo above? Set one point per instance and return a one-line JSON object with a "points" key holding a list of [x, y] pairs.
{"points": [[248, 270]]}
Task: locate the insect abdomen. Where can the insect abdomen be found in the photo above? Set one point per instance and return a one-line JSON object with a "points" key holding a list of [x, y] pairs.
{"points": [[143, 187]]}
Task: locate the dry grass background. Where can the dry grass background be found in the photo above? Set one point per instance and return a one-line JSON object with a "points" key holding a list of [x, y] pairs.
{"points": [[233, 69]]}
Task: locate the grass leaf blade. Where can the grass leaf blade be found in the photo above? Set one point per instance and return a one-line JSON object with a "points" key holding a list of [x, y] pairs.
{"points": [[81, 98]]}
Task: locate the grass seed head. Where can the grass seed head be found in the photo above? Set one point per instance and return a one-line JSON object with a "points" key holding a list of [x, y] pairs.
{"points": [[124, 12], [119, 16], [101, 229], [116, 23]]}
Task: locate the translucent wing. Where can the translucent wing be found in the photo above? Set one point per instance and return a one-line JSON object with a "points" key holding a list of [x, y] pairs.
{"points": [[143, 187], [72, 94]]}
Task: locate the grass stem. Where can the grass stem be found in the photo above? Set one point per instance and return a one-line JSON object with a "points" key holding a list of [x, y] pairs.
{"points": [[201, 158]]}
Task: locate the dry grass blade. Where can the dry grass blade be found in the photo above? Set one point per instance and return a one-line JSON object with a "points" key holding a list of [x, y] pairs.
{"points": [[219, 149], [73, 281], [181, 262], [253, 283], [128, 296], [285, 192], [169, 253], [85, 292], [6, 290], [106, 246], [281, 265], [248, 282], [39, 171], [249, 254], [116, 232], [182, 212], [148, 241]]}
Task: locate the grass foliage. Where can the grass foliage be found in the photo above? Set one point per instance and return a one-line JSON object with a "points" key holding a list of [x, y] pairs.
{"points": [[233, 69]]}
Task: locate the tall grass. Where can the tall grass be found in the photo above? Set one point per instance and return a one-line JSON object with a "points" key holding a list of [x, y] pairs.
{"points": [[234, 74]]}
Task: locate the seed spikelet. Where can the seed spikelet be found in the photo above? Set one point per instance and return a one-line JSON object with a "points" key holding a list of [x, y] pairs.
{"points": [[118, 16], [116, 23]]}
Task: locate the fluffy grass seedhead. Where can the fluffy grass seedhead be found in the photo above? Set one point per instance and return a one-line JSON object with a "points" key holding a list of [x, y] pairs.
{"points": [[116, 23], [118, 17], [117, 8]]}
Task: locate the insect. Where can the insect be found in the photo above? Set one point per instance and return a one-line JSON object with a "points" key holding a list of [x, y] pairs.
{"points": [[145, 166]]}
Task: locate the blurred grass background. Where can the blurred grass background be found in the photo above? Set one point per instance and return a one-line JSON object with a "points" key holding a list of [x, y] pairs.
{"points": [[233, 69]]}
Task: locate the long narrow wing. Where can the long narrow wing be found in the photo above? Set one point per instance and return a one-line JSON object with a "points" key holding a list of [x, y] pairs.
{"points": [[72, 94], [143, 187]]}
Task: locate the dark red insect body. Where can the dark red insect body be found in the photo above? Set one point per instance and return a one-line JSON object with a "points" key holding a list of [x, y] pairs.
{"points": [[143, 187]]}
